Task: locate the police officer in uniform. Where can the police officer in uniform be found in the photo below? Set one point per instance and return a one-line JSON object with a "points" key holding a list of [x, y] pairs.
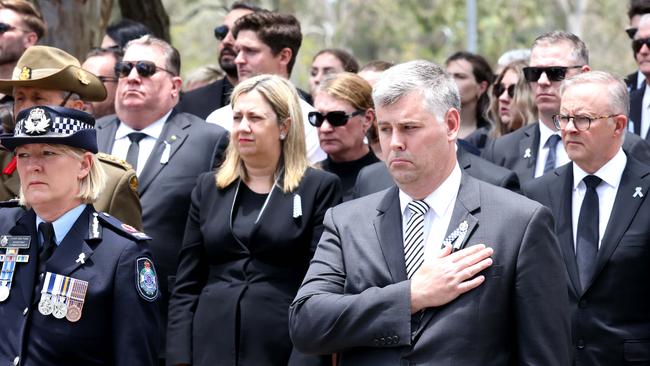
{"points": [[49, 76], [77, 287]]}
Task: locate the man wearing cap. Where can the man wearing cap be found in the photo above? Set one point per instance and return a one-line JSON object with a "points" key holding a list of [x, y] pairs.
{"points": [[168, 149], [78, 287], [49, 76]]}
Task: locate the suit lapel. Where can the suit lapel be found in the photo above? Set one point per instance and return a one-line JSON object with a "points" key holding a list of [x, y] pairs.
{"points": [[562, 207], [624, 210], [388, 226], [64, 261], [636, 106], [106, 134], [171, 138], [528, 147]]}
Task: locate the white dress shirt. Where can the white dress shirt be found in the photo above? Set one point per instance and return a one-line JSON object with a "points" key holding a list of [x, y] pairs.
{"points": [[436, 220], [611, 174], [122, 142], [223, 118], [561, 156]]}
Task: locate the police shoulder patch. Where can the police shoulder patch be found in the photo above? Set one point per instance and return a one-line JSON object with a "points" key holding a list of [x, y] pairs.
{"points": [[147, 280], [122, 228]]}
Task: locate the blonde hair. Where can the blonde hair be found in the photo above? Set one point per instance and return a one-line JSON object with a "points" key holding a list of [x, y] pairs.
{"points": [[90, 186], [348, 87], [523, 108], [283, 99]]}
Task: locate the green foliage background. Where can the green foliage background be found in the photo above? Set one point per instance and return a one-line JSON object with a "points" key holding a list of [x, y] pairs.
{"points": [[415, 29]]}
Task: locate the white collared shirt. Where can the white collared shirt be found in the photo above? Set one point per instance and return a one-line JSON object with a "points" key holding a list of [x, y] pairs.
{"points": [[611, 174], [223, 118], [561, 156], [645, 113], [441, 207], [122, 142]]}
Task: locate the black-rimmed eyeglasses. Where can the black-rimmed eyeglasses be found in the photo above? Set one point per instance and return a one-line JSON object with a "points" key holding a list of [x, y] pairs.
{"points": [[581, 123]]}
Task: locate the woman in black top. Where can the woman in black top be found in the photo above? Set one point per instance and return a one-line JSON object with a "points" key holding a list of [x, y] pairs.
{"points": [[251, 232]]}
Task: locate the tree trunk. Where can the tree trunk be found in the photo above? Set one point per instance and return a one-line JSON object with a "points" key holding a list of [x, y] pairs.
{"points": [[74, 26], [150, 13]]}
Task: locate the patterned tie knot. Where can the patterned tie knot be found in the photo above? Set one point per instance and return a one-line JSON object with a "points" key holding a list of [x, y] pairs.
{"points": [[553, 140], [592, 181], [418, 207], [136, 136]]}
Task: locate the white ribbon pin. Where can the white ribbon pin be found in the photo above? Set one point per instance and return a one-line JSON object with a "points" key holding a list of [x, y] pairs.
{"points": [[81, 259], [528, 154], [637, 192]]}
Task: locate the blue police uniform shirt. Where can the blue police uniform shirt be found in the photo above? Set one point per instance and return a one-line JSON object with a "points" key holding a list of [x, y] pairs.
{"points": [[63, 224]]}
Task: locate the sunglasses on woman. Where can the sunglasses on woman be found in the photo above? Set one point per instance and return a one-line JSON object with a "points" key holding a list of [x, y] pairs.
{"points": [[335, 118], [500, 88], [144, 68]]}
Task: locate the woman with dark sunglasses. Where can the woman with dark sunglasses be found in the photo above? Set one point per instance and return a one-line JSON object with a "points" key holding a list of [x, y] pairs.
{"points": [[511, 104], [345, 113]]}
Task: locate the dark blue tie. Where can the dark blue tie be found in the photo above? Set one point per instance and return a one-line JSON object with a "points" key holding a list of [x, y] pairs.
{"points": [[587, 238], [550, 159]]}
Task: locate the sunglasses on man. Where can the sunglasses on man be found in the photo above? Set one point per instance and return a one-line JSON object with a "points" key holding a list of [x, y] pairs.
{"points": [[553, 73], [335, 118], [631, 32], [144, 68], [638, 43], [498, 89], [4, 28], [221, 32]]}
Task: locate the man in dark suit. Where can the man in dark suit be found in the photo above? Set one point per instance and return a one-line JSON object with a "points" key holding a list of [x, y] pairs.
{"points": [[168, 149], [380, 289], [537, 148], [202, 101], [602, 215], [376, 177], [636, 9], [639, 122]]}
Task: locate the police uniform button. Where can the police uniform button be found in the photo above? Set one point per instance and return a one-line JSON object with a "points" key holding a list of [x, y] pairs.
{"points": [[40, 277], [16, 360], [25, 311]]}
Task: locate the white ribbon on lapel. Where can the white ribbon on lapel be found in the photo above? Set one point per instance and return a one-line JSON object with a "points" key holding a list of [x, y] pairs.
{"points": [[457, 236]]}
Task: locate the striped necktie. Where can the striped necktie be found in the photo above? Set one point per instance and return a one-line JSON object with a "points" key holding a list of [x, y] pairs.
{"points": [[414, 237]]}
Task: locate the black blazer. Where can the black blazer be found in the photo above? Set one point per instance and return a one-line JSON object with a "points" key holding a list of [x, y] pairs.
{"points": [[610, 317], [206, 99], [376, 177], [117, 325], [636, 106], [194, 147], [230, 302], [517, 150]]}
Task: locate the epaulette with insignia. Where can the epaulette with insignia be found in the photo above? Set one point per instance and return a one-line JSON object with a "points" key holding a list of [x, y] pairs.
{"points": [[122, 228], [114, 160]]}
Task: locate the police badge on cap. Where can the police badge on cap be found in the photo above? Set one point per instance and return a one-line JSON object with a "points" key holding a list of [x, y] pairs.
{"points": [[53, 125]]}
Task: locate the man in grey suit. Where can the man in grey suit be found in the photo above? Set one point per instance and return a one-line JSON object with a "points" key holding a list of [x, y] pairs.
{"points": [[168, 149], [382, 290]]}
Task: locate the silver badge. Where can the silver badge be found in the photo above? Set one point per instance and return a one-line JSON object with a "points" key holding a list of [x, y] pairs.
{"points": [[37, 123], [4, 293], [60, 309], [45, 306]]}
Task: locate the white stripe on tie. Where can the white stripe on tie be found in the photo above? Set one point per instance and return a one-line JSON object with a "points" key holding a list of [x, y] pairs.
{"points": [[414, 237]]}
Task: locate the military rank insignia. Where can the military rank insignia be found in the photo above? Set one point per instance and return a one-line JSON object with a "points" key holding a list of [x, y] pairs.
{"points": [[147, 280], [11, 245], [62, 297]]}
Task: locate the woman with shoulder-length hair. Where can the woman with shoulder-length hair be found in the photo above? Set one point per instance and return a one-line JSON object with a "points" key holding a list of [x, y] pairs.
{"points": [[82, 289], [512, 104], [251, 232]]}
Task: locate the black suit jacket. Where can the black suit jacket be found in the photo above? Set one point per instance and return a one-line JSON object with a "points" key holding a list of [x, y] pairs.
{"points": [[206, 99], [636, 105], [165, 189], [117, 325], [631, 81], [517, 150], [355, 298], [376, 177], [610, 317], [229, 292]]}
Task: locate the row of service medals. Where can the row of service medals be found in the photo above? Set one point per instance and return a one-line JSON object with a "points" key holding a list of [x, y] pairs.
{"points": [[9, 258], [62, 297]]}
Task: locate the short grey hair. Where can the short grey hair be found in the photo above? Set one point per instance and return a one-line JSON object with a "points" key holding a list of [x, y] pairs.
{"points": [[436, 86], [618, 97], [580, 53]]}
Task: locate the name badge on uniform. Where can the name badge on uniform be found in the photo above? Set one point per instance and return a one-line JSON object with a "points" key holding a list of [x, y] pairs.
{"points": [[62, 297], [457, 236], [9, 258]]}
